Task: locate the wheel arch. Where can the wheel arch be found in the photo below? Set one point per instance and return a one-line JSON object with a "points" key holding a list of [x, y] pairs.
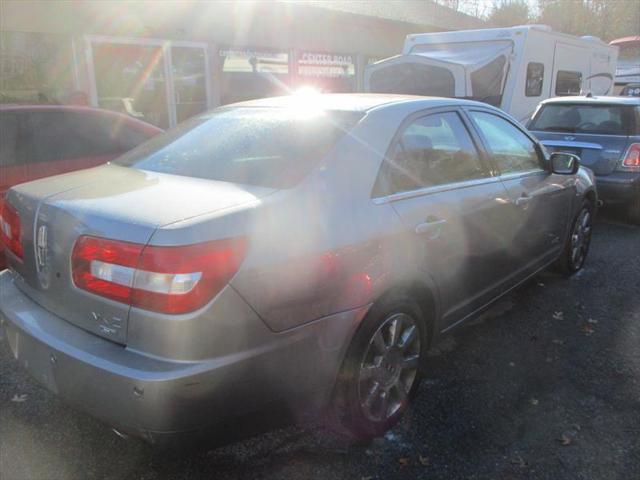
{"points": [[424, 294]]}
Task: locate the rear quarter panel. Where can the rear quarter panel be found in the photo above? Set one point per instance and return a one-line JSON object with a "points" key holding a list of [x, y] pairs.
{"points": [[325, 247]]}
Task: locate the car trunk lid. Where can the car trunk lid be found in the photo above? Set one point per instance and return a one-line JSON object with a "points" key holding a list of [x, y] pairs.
{"points": [[600, 153], [111, 202]]}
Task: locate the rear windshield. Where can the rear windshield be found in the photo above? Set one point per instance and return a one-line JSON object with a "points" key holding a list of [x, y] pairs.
{"points": [[599, 119], [271, 147]]}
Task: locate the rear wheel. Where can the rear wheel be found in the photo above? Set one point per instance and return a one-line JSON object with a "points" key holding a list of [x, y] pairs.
{"points": [[633, 210], [578, 242], [382, 369]]}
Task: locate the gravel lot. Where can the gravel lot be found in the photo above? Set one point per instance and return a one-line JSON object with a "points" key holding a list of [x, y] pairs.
{"points": [[546, 385]]}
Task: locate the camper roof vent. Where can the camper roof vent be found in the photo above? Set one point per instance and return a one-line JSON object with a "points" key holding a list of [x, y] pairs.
{"points": [[539, 26], [591, 38]]}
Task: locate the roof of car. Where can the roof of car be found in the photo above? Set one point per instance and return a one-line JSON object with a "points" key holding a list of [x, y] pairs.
{"points": [[357, 102], [594, 100]]}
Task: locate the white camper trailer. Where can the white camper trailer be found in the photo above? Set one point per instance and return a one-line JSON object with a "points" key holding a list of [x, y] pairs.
{"points": [[512, 68]]}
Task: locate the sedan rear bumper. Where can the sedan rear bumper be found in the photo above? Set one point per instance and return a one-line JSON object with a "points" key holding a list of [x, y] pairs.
{"points": [[619, 187], [155, 397]]}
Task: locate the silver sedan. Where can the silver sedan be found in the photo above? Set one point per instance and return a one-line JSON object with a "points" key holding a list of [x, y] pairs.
{"points": [[299, 253]]}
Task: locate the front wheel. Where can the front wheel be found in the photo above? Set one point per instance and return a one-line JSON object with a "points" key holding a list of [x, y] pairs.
{"points": [[382, 369], [578, 242]]}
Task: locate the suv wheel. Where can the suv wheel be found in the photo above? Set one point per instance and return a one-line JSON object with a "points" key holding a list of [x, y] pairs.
{"points": [[579, 240], [382, 369]]}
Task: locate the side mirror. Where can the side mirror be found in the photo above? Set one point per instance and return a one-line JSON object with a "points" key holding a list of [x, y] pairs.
{"points": [[564, 163]]}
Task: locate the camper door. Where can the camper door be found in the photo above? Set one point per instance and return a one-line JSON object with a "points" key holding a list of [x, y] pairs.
{"points": [[570, 70], [416, 75]]}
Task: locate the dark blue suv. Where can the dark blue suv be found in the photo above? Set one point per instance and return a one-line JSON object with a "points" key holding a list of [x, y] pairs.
{"points": [[605, 133]]}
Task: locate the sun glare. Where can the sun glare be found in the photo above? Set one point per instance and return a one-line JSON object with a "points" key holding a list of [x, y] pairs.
{"points": [[308, 103]]}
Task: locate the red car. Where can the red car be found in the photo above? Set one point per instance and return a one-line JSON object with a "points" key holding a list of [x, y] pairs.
{"points": [[42, 140]]}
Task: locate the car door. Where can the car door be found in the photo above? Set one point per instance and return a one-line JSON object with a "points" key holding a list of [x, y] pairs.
{"points": [[440, 185], [540, 202], [13, 169]]}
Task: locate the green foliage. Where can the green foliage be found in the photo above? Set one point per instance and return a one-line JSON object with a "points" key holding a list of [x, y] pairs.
{"points": [[607, 19], [509, 13]]}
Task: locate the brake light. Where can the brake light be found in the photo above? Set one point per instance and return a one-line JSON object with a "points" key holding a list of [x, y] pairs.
{"points": [[161, 279], [631, 160], [10, 229]]}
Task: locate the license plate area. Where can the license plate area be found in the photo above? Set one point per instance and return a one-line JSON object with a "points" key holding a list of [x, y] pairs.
{"points": [[36, 359]]}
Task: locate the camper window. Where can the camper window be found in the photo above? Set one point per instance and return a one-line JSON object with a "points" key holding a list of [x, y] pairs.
{"points": [[486, 82], [413, 79], [568, 83], [535, 79]]}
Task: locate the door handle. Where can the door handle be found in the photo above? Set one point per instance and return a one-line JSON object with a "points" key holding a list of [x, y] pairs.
{"points": [[431, 227], [524, 200]]}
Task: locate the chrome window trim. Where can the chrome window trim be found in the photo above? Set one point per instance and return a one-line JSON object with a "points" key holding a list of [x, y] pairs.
{"points": [[522, 174], [445, 187]]}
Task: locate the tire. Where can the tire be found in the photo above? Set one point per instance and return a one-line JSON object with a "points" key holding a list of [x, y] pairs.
{"points": [[378, 380], [578, 241], [633, 210]]}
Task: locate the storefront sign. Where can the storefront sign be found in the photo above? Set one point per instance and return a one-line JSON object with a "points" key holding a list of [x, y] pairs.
{"points": [[250, 60], [326, 65]]}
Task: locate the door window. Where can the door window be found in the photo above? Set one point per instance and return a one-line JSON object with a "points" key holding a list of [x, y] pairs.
{"points": [[432, 150], [535, 79], [60, 136], [248, 73], [188, 67], [131, 79], [511, 149], [568, 83]]}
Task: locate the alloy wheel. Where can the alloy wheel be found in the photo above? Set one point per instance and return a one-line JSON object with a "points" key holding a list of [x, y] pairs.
{"points": [[389, 368], [580, 239]]}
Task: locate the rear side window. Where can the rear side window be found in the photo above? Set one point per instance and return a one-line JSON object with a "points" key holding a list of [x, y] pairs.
{"points": [[576, 118], [9, 147], [511, 149], [271, 147], [432, 150], [535, 79], [68, 135], [568, 83]]}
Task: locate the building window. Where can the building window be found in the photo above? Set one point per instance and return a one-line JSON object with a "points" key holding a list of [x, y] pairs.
{"points": [[535, 79], [327, 72], [35, 68], [248, 73], [568, 83]]}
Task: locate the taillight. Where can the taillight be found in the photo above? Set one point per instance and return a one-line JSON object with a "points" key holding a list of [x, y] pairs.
{"points": [[161, 279], [631, 161], [10, 229]]}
